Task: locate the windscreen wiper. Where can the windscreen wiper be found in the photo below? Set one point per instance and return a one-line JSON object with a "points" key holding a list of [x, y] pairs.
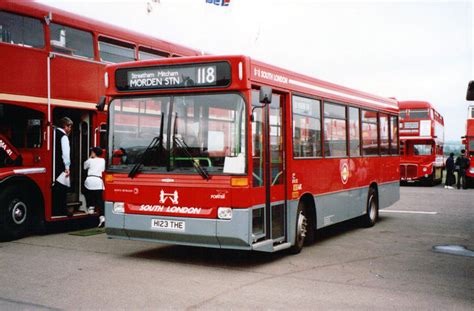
{"points": [[197, 166], [155, 142], [136, 168]]}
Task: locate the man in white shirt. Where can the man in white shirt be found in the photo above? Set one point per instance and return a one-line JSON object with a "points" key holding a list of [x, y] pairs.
{"points": [[62, 165]]}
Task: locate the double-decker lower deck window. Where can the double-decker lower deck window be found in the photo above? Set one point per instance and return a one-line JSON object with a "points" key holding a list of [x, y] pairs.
{"points": [[207, 129], [335, 139], [71, 41], [422, 149], [306, 127], [369, 133], [21, 30]]}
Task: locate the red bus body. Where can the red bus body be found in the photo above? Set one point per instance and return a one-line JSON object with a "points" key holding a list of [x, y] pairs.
{"points": [[468, 141], [285, 168], [422, 141], [51, 66]]}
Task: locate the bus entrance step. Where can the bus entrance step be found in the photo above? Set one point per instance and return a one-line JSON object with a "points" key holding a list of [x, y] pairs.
{"points": [[267, 246]]}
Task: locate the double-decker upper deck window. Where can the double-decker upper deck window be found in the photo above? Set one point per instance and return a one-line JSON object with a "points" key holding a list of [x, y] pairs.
{"points": [[419, 114], [369, 133], [116, 51], [71, 41], [335, 139], [394, 135], [384, 139], [354, 131], [306, 127], [145, 53], [21, 30], [403, 114]]}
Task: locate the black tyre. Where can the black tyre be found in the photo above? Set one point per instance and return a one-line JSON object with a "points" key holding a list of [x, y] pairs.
{"points": [[370, 218], [300, 230], [15, 214]]}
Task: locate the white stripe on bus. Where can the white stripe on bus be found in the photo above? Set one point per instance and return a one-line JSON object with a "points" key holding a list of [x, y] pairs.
{"points": [[44, 101], [38, 170]]}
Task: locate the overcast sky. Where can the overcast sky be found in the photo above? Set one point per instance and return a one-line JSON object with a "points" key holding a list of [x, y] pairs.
{"points": [[420, 50]]}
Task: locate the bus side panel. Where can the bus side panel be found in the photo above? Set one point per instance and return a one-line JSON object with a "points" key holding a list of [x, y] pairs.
{"points": [[76, 80], [389, 193], [340, 206], [21, 70]]}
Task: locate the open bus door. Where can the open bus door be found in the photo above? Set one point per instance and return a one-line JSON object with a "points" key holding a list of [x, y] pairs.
{"points": [[269, 166], [79, 141]]}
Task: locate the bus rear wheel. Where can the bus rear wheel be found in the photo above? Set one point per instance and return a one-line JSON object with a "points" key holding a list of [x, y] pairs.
{"points": [[300, 230], [15, 214], [370, 218]]}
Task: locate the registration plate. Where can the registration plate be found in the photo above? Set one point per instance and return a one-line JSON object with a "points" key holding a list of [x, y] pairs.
{"points": [[169, 225]]}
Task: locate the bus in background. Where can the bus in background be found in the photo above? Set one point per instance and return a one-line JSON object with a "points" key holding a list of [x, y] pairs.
{"points": [[52, 65], [421, 141], [468, 139], [229, 152]]}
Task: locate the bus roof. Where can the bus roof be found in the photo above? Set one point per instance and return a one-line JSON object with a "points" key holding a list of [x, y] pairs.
{"points": [[34, 9], [259, 72], [415, 104]]}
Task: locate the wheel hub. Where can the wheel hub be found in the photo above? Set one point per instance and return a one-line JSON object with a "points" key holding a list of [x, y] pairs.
{"points": [[302, 225], [19, 212]]}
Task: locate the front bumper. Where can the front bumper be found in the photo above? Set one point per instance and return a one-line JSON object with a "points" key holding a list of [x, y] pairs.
{"points": [[217, 233]]}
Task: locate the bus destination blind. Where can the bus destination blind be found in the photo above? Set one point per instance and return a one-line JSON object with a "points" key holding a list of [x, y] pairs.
{"points": [[173, 77]]}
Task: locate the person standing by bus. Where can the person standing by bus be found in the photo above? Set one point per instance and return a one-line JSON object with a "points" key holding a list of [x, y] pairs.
{"points": [[463, 164], [94, 185], [62, 163], [450, 178]]}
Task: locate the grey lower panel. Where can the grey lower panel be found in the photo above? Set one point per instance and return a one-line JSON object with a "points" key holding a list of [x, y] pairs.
{"points": [[340, 206], [389, 193], [215, 233]]}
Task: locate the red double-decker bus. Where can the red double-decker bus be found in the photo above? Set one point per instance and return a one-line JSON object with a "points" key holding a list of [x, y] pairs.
{"points": [[422, 143], [52, 65], [229, 152], [468, 142]]}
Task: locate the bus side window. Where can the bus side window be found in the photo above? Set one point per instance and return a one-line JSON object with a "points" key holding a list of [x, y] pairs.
{"points": [[33, 133], [71, 41], [103, 136], [115, 51], [21, 30]]}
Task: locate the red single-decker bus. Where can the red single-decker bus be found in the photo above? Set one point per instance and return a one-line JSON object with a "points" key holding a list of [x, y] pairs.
{"points": [[229, 152]]}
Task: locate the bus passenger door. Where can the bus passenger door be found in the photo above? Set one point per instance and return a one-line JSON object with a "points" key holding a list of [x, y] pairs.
{"points": [[268, 164]]}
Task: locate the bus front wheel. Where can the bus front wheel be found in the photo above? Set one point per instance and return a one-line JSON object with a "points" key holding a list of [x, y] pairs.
{"points": [[370, 218], [300, 230], [15, 214]]}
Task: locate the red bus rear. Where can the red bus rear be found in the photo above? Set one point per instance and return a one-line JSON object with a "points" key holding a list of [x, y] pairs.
{"points": [[422, 143], [52, 65], [229, 152]]}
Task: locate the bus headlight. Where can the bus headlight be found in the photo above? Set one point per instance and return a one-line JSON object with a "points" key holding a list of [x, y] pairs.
{"points": [[425, 169], [224, 213], [118, 208], [471, 170]]}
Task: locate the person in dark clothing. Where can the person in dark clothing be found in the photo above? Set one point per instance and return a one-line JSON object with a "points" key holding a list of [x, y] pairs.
{"points": [[462, 164], [450, 178], [62, 162]]}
